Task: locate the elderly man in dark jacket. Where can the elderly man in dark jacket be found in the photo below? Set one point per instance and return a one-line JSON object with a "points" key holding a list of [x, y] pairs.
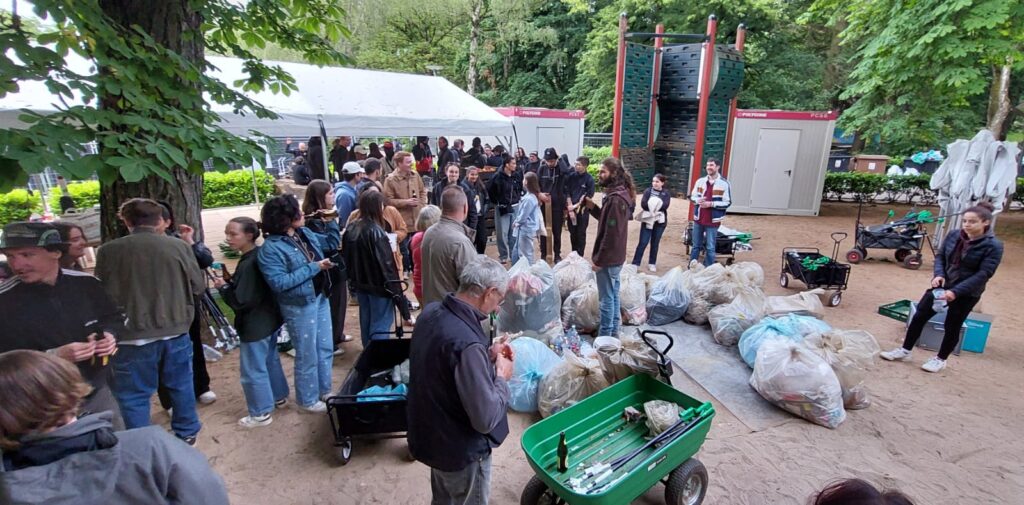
{"points": [[458, 391]]}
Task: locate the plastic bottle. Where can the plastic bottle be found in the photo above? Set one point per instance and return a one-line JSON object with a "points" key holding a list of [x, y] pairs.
{"points": [[939, 305], [572, 340]]}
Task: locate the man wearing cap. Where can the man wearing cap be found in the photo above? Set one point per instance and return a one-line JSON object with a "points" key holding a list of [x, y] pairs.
{"points": [[62, 312], [345, 191], [553, 173], [359, 152]]}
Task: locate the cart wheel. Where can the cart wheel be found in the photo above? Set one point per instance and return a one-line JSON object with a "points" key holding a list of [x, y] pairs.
{"points": [[835, 299], [537, 493], [784, 280], [687, 484], [854, 256], [901, 254], [912, 262], [344, 451]]}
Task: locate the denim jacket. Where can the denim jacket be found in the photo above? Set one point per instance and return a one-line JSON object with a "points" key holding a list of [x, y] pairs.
{"points": [[286, 269], [528, 217]]}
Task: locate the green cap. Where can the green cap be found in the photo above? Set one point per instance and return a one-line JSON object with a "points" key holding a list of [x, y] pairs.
{"points": [[26, 234]]}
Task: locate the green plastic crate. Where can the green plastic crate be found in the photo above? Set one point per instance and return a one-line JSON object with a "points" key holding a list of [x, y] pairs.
{"points": [[899, 310]]}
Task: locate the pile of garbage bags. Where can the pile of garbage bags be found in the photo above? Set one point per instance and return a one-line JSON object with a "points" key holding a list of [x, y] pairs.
{"points": [[532, 302]]}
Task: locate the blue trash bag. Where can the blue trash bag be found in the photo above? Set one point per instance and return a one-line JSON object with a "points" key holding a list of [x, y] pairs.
{"points": [[533, 361], [791, 327], [371, 393]]}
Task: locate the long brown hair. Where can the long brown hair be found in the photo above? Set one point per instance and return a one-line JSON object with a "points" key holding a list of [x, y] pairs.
{"points": [[37, 391], [371, 207], [316, 196], [532, 183], [619, 176]]}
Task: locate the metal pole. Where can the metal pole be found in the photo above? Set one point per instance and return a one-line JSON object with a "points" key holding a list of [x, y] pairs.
{"points": [[620, 78], [707, 60], [659, 42], [741, 38]]}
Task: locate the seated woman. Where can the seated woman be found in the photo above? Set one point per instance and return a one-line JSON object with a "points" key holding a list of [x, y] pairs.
{"points": [[51, 456]]}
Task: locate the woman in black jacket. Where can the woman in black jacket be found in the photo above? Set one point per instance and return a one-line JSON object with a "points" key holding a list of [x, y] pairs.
{"points": [[967, 260], [257, 319], [317, 203], [372, 271], [481, 203]]}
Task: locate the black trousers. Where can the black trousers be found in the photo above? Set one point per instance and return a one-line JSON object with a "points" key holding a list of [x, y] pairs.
{"points": [[480, 241], [956, 313], [578, 233], [557, 218], [200, 377], [339, 304]]}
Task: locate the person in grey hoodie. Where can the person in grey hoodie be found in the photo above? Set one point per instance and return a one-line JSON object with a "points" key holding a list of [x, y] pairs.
{"points": [[52, 457]]}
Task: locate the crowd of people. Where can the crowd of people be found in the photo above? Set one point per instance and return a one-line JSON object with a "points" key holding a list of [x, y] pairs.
{"points": [[115, 338]]}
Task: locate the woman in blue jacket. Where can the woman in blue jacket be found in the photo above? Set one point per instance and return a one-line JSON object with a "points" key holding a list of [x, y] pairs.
{"points": [[967, 260], [528, 221], [294, 263]]}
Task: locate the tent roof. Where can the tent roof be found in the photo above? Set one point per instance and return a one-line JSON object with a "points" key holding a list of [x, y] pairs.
{"points": [[350, 102]]}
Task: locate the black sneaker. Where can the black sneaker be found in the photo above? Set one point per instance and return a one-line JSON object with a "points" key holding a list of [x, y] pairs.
{"points": [[191, 441]]}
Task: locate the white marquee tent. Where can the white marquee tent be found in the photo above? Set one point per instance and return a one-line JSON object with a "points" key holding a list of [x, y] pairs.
{"points": [[348, 101]]}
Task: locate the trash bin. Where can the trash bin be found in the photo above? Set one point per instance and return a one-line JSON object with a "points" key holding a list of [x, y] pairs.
{"points": [[928, 167], [870, 163], [839, 162]]}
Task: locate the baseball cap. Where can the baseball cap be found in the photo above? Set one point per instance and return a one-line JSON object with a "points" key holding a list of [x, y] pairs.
{"points": [[550, 154], [352, 167], [26, 234], [361, 149]]}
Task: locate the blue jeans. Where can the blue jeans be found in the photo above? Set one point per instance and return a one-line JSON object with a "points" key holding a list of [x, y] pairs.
{"points": [[262, 378], [608, 293], [310, 329], [704, 237], [376, 317], [503, 232], [469, 486], [138, 369], [652, 236], [523, 247]]}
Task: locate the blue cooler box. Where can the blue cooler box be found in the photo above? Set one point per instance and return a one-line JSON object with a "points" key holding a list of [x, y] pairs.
{"points": [[978, 326]]}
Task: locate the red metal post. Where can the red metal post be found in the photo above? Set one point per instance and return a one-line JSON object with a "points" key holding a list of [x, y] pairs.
{"points": [[659, 42], [741, 38], [620, 78], [707, 61]]}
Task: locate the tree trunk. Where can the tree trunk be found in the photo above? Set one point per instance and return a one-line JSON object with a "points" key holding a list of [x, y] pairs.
{"points": [[166, 21], [476, 17], [1000, 109]]}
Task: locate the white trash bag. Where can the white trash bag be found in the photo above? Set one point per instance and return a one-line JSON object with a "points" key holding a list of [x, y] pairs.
{"points": [[632, 296], [729, 321], [805, 303], [850, 353], [797, 380], [531, 303], [568, 383], [583, 308], [571, 273], [669, 299]]}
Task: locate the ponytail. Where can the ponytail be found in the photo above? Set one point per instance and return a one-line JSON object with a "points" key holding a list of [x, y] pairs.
{"points": [[249, 226]]}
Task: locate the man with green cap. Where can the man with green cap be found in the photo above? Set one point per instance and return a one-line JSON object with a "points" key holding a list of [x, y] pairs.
{"points": [[62, 312]]}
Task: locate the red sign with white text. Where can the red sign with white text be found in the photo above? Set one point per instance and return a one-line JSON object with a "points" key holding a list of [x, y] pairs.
{"points": [[540, 112], [787, 114]]}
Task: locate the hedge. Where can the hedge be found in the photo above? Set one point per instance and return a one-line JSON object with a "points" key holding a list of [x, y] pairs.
{"points": [[86, 195], [882, 188], [18, 205]]}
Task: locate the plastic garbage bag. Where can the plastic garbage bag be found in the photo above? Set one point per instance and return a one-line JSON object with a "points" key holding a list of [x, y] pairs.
{"points": [[806, 303], [894, 171], [400, 374], [583, 308], [729, 321], [621, 358], [669, 299], [649, 282], [789, 327], [748, 274], [850, 353], [632, 296], [532, 302], [797, 380], [720, 284], [571, 273], [661, 415], [568, 383], [374, 393], [533, 361], [697, 312]]}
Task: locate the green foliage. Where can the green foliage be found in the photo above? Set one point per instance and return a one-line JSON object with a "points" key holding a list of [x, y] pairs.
{"points": [[878, 187], [922, 69], [18, 205], [85, 193], [596, 154], [230, 189], [149, 107], [1019, 195]]}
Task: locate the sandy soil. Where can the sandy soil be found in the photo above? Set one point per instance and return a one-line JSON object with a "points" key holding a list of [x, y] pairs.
{"points": [[954, 437]]}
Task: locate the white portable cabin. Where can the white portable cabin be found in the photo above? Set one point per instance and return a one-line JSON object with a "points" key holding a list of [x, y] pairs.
{"points": [[537, 129], [777, 161]]}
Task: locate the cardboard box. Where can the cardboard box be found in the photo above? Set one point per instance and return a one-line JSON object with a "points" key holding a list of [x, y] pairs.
{"points": [[870, 163]]}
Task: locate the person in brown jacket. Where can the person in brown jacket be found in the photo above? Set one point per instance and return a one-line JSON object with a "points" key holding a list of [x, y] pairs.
{"points": [[610, 245], [404, 190]]}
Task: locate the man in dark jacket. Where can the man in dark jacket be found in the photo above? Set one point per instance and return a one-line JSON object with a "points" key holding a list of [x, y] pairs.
{"points": [[160, 305], [458, 389], [62, 312], [552, 176], [505, 190], [533, 165], [578, 184], [610, 244]]}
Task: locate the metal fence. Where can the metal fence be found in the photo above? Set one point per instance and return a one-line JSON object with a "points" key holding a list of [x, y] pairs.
{"points": [[597, 139]]}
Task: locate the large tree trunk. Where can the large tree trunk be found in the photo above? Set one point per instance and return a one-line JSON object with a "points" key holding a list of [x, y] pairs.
{"points": [[475, 20], [1000, 108], [166, 21]]}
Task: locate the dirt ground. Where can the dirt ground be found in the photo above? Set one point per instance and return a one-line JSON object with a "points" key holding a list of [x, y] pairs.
{"points": [[952, 437]]}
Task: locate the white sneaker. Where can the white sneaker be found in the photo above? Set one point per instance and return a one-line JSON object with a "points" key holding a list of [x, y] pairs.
{"points": [[316, 408], [207, 398], [347, 338], [897, 354], [291, 352], [934, 365], [339, 351], [255, 421], [652, 268], [414, 305]]}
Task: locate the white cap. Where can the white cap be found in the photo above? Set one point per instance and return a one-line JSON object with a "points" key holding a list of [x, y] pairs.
{"points": [[352, 167], [361, 149]]}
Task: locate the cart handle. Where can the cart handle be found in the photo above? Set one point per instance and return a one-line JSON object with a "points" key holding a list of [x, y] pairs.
{"points": [[801, 249], [664, 364], [839, 236]]}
